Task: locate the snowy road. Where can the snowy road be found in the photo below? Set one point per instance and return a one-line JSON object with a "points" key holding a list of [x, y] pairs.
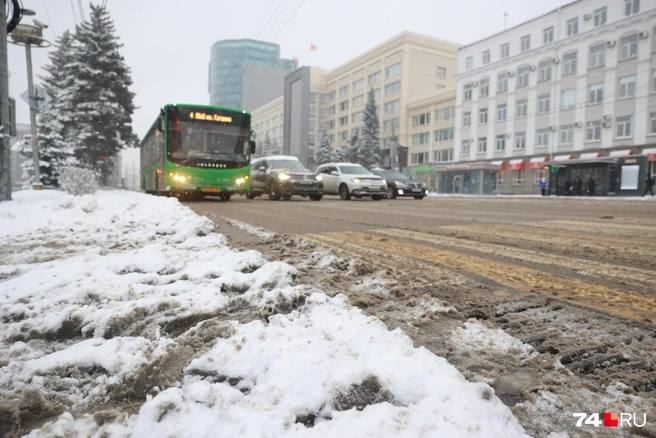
{"points": [[571, 278]]}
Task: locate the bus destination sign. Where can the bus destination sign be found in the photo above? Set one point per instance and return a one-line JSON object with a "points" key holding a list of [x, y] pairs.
{"points": [[209, 117]]}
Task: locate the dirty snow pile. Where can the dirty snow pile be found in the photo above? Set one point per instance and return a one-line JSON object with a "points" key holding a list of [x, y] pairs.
{"points": [[125, 314]]}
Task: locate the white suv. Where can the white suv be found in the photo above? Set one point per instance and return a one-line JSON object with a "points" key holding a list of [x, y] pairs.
{"points": [[349, 179]]}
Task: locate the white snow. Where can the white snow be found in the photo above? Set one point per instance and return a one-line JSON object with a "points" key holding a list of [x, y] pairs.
{"points": [[90, 287], [474, 336], [260, 232]]}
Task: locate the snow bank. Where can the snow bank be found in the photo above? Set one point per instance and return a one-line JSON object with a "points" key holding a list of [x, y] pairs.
{"points": [[475, 336]]}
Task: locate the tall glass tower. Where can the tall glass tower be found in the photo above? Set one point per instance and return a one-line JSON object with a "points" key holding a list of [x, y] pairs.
{"points": [[245, 74]]}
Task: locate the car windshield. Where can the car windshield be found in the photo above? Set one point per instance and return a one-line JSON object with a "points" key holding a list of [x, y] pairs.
{"points": [[354, 169], [396, 176], [293, 165]]}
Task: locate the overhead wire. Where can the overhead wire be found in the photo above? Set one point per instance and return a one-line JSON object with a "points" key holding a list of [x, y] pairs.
{"points": [[289, 19], [268, 21]]}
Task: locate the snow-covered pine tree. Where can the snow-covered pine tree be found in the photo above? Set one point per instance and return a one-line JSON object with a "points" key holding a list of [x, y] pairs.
{"points": [[55, 121], [325, 152], [369, 150], [267, 147], [101, 93]]}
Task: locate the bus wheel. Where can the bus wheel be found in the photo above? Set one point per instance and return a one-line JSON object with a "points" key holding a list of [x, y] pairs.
{"points": [[225, 196]]}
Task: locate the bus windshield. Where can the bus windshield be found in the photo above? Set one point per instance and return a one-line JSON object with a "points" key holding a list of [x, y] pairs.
{"points": [[198, 141]]}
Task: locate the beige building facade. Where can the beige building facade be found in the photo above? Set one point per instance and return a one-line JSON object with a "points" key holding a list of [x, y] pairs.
{"points": [[267, 122]]}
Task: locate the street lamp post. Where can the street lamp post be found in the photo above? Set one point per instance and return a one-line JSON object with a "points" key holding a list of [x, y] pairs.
{"points": [[31, 35]]}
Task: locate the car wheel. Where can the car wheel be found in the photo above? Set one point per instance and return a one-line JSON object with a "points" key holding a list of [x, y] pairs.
{"points": [[377, 197], [344, 193], [316, 197], [274, 195], [286, 197], [250, 195], [419, 197], [391, 193]]}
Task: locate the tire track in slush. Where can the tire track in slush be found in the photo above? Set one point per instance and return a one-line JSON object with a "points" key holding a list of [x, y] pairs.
{"points": [[623, 303]]}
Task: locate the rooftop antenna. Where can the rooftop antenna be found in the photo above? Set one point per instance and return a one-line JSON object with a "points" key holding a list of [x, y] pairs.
{"points": [[505, 20]]}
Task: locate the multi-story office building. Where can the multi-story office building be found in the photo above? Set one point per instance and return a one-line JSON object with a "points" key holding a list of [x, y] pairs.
{"points": [[245, 74], [574, 88], [431, 124], [267, 122]]}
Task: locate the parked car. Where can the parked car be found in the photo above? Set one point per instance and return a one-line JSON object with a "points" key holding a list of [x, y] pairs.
{"points": [[281, 177], [349, 179], [400, 184]]}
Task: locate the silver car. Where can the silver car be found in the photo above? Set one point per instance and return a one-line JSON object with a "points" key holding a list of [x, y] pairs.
{"points": [[351, 180]]}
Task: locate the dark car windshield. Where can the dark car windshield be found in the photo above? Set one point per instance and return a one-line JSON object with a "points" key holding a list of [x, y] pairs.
{"points": [[292, 165], [354, 169], [208, 141], [396, 176]]}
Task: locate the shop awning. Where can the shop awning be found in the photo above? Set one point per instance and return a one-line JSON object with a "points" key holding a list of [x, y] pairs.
{"points": [[515, 164], [561, 158], [649, 153], [621, 153], [498, 163], [536, 162], [589, 156]]}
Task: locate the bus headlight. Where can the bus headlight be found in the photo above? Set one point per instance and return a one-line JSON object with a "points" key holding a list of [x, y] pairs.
{"points": [[283, 177], [177, 177], [239, 181]]}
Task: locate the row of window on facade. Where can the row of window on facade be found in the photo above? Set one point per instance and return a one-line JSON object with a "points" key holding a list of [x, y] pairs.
{"points": [[597, 18], [626, 89], [441, 156], [597, 58], [624, 126]]}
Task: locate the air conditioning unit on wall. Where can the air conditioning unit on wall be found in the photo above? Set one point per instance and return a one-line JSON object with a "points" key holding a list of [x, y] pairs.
{"points": [[643, 35], [611, 43], [587, 17]]}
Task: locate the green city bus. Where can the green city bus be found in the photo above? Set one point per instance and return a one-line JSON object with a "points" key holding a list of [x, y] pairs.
{"points": [[197, 150]]}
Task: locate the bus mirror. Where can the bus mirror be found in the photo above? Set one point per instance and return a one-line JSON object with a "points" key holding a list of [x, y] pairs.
{"points": [[252, 144]]}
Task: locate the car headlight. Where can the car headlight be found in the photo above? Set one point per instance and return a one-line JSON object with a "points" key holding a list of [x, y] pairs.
{"points": [[356, 180], [283, 177], [241, 180], [384, 182], [318, 178]]}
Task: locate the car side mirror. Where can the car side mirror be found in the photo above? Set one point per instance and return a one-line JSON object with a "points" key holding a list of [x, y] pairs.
{"points": [[252, 144], [334, 173]]}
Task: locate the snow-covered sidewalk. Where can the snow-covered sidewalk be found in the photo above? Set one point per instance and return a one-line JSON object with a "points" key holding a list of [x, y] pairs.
{"points": [[127, 314]]}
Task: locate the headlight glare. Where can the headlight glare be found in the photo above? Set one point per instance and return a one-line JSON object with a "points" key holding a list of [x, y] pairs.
{"points": [[283, 177]]}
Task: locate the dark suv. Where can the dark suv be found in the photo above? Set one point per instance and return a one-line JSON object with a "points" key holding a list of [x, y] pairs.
{"points": [[400, 184], [281, 177]]}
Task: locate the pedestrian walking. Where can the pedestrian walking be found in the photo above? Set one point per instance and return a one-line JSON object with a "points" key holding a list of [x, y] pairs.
{"points": [[591, 186], [578, 186], [543, 186], [568, 187], [649, 185]]}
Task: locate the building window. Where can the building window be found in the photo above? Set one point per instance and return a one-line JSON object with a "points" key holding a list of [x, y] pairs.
{"points": [[544, 103], [447, 113], [547, 35], [466, 119], [542, 137], [572, 26], [599, 16], [356, 117], [393, 107], [440, 72], [419, 158], [597, 55], [444, 134], [358, 86], [568, 99], [624, 126], [502, 83], [522, 77], [504, 50], [469, 63], [518, 177], [544, 71], [393, 88], [484, 87], [569, 64], [525, 43], [482, 144], [595, 93], [652, 123], [464, 147], [522, 108], [343, 106], [502, 112], [420, 139], [468, 91], [358, 101], [627, 87], [444, 155], [391, 126], [520, 140], [421, 119], [486, 57], [566, 134], [343, 121], [393, 71], [500, 143], [344, 135], [482, 116], [629, 47], [631, 7], [374, 79], [593, 130]]}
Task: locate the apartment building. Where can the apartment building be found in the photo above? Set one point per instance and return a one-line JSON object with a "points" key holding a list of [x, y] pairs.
{"points": [[267, 122], [569, 95], [431, 126]]}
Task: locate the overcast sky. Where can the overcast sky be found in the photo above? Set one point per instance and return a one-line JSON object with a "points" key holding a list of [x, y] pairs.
{"points": [[167, 42]]}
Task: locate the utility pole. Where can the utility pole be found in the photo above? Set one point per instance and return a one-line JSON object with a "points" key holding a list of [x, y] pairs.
{"points": [[28, 35], [5, 151]]}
